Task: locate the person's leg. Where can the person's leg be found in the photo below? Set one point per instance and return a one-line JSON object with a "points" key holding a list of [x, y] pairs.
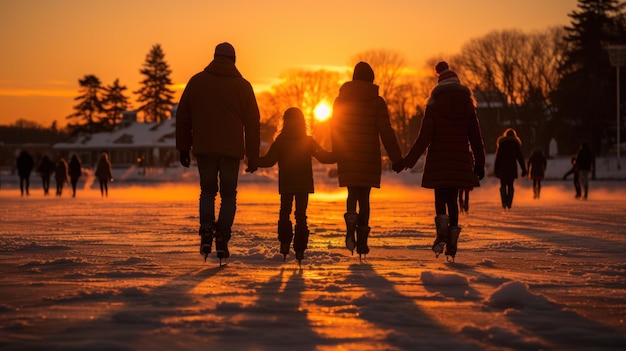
{"points": [[285, 227], [22, 183], [301, 239], [101, 186], [351, 218], [106, 187], [442, 222], [363, 199], [511, 192], [27, 185], [504, 193], [584, 182], [228, 173], [207, 169], [450, 198], [74, 182]]}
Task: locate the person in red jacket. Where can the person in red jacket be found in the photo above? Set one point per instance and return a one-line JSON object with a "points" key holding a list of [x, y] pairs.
{"points": [[360, 121], [455, 159], [293, 150], [218, 121]]}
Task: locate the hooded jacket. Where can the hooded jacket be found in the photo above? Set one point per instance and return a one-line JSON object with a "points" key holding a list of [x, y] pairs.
{"points": [[508, 155], [360, 122], [216, 109], [451, 134]]}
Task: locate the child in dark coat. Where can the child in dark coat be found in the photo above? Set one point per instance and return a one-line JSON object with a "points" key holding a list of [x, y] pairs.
{"points": [[293, 150], [537, 170]]}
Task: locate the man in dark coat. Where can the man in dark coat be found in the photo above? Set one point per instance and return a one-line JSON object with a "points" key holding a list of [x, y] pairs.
{"points": [[24, 165], [218, 120], [508, 155]]}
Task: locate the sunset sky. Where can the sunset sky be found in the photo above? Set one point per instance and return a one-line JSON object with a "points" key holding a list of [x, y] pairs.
{"points": [[48, 45]]}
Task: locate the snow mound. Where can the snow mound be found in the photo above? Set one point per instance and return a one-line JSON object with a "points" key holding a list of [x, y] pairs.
{"points": [[515, 295], [437, 278]]}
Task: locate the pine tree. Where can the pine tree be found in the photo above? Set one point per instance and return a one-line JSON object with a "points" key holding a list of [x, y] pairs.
{"points": [[89, 110], [155, 96], [114, 102], [585, 96]]}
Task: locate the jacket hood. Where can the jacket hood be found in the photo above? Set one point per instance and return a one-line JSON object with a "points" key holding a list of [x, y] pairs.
{"points": [[358, 90], [222, 66]]}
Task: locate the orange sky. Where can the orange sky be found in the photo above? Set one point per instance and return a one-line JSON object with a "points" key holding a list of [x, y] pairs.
{"points": [[49, 45]]}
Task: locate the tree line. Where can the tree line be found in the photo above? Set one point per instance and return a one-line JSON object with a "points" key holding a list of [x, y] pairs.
{"points": [[552, 84]]}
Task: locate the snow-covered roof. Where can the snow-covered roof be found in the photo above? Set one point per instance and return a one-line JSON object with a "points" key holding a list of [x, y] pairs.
{"points": [[132, 135]]}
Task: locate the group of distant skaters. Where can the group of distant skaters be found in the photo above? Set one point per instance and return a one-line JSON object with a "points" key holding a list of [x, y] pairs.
{"points": [[63, 172]]}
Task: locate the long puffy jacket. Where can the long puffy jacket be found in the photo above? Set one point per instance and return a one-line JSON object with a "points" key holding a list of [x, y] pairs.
{"points": [[293, 154], [216, 109], [508, 156], [360, 122], [451, 134]]}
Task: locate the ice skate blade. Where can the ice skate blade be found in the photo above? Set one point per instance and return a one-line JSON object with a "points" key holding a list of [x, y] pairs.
{"points": [[438, 249]]}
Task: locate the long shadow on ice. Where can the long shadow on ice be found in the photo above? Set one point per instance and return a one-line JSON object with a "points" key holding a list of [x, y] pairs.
{"points": [[275, 321], [409, 327]]}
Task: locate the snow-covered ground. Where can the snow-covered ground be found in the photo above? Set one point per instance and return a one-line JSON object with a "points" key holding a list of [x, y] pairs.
{"points": [[124, 272]]}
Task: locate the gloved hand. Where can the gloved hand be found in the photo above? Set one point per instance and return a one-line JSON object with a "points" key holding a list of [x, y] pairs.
{"points": [[398, 166], [252, 166], [185, 158], [479, 170]]}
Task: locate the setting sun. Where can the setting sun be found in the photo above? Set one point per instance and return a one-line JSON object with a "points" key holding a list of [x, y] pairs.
{"points": [[322, 111]]}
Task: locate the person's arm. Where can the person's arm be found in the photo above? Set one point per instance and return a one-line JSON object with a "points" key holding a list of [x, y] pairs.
{"points": [[423, 140], [270, 158], [322, 155]]}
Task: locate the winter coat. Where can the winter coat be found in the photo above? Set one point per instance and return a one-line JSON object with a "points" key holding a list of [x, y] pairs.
{"points": [[537, 165], [60, 171], [293, 154], [46, 167], [24, 164], [215, 109], [103, 169], [585, 159], [508, 152], [359, 123], [74, 167], [451, 136]]}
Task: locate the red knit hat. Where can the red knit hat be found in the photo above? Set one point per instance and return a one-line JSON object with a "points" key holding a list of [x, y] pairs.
{"points": [[446, 75]]}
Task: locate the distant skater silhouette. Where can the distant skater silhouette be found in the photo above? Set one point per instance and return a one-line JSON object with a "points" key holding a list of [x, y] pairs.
{"points": [[218, 120], [46, 169], [455, 159], [360, 121], [508, 155], [60, 175], [585, 164], [75, 172], [575, 178], [464, 197], [293, 150], [24, 164], [536, 167], [104, 173]]}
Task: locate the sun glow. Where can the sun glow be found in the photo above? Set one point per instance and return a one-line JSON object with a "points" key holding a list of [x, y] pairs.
{"points": [[322, 111]]}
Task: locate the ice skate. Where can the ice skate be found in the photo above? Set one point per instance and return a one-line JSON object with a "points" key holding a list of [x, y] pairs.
{"points": [[441, 223], [285, 235], [351, 221], [300, 241], [221, 246], [206, 241], [362, 234], [451, 245]]}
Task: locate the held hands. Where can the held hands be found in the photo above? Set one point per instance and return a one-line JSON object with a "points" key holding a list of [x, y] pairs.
{"points": [[399, 166], [252, 166], [185, 158], [479, 171]]}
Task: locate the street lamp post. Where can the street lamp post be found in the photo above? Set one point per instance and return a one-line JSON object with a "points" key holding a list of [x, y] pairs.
{"points": [[617, 55]]}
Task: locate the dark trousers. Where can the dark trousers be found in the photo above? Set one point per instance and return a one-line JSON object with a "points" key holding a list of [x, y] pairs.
{"points": [[446, 203], [286, 204], [506, 192]]}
